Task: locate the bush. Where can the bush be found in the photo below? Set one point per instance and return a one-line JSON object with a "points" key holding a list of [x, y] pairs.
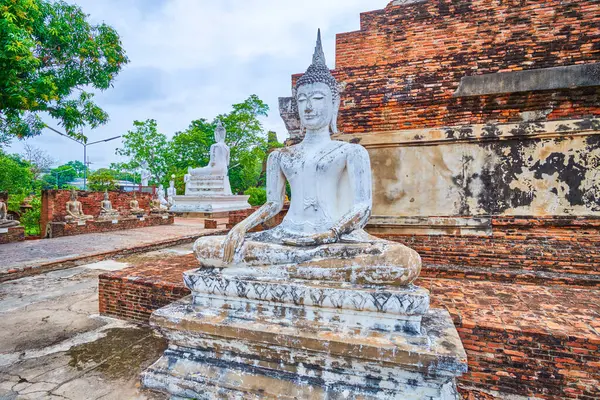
{"points": [[31, 219], [258, 196]]}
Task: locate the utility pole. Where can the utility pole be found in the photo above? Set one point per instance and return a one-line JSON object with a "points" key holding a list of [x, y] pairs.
{"points": [[85, 145]]}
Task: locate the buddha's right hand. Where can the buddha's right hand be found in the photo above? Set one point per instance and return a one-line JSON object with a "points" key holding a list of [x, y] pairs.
{"points": [[233, 241]]}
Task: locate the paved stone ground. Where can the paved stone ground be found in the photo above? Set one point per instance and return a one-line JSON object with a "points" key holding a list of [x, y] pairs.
{"points": [[54, 345], [26, 256]]}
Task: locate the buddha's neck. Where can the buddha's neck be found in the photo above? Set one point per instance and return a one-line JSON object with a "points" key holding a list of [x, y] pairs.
{"points": [[317, 136]]}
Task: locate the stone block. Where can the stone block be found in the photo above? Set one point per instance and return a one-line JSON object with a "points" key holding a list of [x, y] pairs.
{"points": [[210, 224], [264, 353]]}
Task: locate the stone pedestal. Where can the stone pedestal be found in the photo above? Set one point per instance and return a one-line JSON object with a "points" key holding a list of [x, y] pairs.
{"points": [[209, 203], [254, 337], [208, 193]]}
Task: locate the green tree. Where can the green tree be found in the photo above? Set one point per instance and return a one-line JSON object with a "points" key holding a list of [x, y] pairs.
{"points": [[15, 178], [247, 142], [50, 58], [101, 180], [145, 143], [59, 177], [78, 166], [124, 171], [191, 147]]}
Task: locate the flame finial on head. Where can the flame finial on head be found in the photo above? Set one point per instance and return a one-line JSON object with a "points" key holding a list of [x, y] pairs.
{"points": [[319, 55], [319, 72]]}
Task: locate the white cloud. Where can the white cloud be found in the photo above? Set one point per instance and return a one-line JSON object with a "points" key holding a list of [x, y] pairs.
{"points": [[192, 59]]}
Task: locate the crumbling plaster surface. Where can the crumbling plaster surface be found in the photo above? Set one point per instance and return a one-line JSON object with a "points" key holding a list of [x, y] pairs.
{"points": [[557, 176], [53, 345], [532, 168]]}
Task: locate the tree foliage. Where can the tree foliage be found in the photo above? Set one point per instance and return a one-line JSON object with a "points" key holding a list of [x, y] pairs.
{"points": [[258, 196], [247, 142], [50, 55], [16, 179], [101, 180], [78, 166], [59, 177], [145, 143]]}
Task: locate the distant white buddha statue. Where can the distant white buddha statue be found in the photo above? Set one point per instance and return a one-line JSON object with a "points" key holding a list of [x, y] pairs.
{"points": [[145, 173], [218, 164], [171, 192]]}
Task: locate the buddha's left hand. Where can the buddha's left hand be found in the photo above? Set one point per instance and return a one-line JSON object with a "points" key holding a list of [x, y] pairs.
{"points": [[313, 240]]}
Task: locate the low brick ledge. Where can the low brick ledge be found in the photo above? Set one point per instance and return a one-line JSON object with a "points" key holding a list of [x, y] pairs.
{"points": [[526, 340], [60, 229], [13, 234]]}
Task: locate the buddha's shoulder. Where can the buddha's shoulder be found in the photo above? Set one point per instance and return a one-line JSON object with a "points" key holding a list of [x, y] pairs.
{"points": [[337, 146]]}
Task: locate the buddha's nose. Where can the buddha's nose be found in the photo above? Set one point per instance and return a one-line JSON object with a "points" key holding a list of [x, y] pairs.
{"points": [[309, 107]]}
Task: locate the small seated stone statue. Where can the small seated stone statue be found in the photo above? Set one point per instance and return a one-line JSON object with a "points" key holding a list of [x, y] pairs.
{"points": [[134, 207], [106, 210], [171, 192], [157, 204], [322, 235], [75, 210], [5, 222]]}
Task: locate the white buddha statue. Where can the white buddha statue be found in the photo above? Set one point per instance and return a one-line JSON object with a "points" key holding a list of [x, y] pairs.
{"points": [[145, 173], [322, 235], [171, 192], [218, 163]]}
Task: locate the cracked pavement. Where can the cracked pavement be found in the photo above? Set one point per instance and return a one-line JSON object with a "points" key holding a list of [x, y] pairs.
{"points": [[54, 345]]}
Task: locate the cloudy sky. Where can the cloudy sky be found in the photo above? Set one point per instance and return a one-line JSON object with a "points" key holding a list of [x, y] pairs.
{"points": [[192, 59]]}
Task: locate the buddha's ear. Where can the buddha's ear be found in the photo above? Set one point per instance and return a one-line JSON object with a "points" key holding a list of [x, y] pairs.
{"points": [[334, 115]]}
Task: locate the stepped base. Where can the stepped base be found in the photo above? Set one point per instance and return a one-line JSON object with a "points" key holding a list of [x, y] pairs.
{"points": [[209, 203], [237, 347]]}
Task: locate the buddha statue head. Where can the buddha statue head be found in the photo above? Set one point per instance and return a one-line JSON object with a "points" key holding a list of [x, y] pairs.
{"points": [[317, 94], [73, 195], [106, 195], [220, 132]]}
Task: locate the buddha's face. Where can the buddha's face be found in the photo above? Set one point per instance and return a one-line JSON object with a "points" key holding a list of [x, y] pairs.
{"points": [[219, 135], [315, 105]]}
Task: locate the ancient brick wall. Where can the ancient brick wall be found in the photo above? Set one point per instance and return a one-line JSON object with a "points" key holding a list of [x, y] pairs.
{"points": [[13, 234], [402, 68], [58, 229], [549, 247], [54, 203]]}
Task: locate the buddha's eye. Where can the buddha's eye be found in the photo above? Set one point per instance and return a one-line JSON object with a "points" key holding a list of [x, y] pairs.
{"points": [[318, 97], [301, 99]]}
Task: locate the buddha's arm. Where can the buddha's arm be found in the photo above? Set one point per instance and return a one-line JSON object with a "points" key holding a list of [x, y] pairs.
{"points": [[359, 171], [274, 204], [69, 212]]}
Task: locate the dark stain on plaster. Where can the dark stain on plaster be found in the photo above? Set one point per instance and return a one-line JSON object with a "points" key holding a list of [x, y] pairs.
{"points": [[497, 196]]}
